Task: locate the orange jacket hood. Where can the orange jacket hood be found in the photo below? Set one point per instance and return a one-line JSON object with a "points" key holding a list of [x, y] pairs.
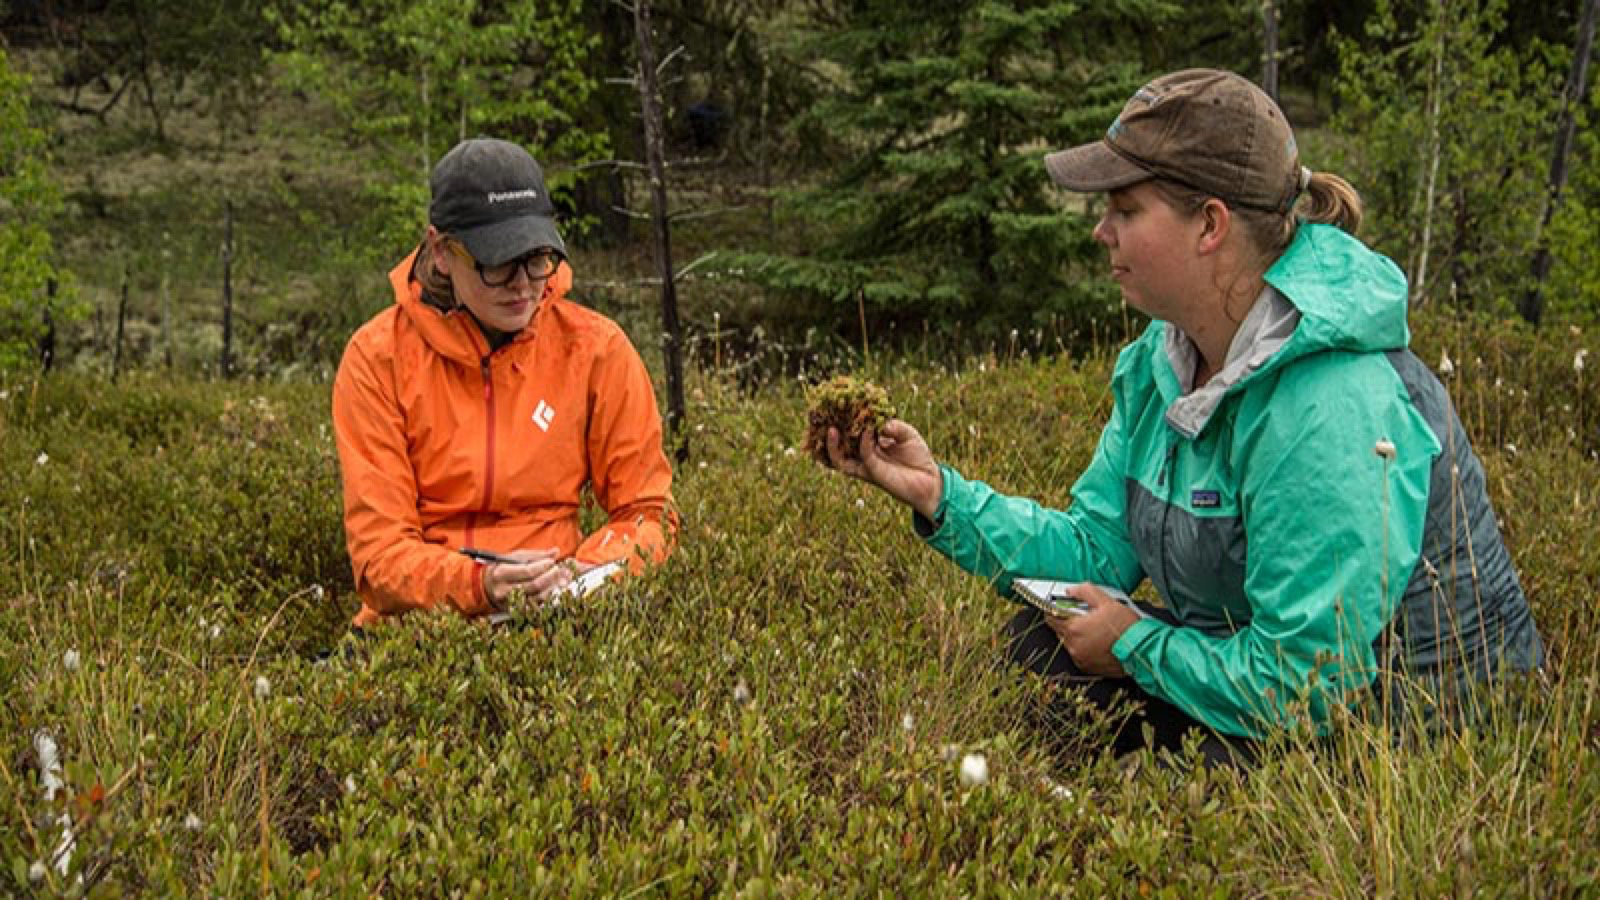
{"points": [[444, 444]]}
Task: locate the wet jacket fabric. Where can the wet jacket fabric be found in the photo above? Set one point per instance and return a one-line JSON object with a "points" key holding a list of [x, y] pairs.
{"points": [[444, 444], [1312, 516]]}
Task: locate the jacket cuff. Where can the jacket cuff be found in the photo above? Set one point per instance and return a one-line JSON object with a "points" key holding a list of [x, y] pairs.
{"points": [[933, 530], [478, 600], [1133, 639]]}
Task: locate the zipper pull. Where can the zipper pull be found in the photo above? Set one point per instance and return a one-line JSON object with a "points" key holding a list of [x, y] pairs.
{"points": [[1166, 467]]}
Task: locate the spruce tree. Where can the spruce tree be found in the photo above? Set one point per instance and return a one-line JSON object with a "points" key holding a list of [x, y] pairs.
{"points": [[943, 212]]}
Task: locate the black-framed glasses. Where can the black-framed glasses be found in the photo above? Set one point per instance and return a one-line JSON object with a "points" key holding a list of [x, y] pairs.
{"points": [[536, 264]]}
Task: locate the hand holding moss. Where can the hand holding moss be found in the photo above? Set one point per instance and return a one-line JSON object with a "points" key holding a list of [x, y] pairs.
{"points": [[851, 428]]}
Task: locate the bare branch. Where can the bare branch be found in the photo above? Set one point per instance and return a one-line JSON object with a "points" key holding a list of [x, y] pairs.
{"points": [[705, 213], [661, 66], [696, 264]]}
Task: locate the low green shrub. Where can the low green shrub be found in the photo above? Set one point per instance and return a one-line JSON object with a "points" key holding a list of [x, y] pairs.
{"points": [[783, 708]]}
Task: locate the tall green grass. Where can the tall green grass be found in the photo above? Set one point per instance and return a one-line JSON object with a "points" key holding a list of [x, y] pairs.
{"points": [[782, 709]]}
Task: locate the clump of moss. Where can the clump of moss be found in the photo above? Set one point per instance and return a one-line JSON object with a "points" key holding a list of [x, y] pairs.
{"points": [[850, 405]]}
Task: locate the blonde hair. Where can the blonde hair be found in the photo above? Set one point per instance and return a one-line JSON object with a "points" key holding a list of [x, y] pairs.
{"points": [[1327, 200]]}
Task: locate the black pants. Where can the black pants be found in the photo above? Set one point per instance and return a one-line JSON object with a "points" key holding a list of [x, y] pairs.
{"points": [[1032, 645]]}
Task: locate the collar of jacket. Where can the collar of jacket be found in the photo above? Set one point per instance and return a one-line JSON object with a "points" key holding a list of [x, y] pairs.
{"points": [[454, 334]]}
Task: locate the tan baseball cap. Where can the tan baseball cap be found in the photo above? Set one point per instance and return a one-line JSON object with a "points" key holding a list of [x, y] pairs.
{"points": [[1213, 131]]}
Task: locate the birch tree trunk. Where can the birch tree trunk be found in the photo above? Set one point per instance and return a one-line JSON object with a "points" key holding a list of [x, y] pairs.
{"points": [[1269, 54]]}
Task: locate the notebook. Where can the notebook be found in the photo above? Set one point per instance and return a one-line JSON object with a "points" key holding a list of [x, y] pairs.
{"points": [[1052, 597]]}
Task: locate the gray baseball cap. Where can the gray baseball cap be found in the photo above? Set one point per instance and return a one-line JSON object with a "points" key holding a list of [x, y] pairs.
{"points": [[1211, 130], [490, 195]]}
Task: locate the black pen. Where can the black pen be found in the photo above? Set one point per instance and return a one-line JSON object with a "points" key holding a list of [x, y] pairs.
{"points": [[485, 556]]}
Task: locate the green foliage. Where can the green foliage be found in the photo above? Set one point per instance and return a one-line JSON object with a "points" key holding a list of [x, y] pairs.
{"points": [[1573, 292], [29, 199], [942, 212], [780, 709], [1449, 133], [410, 79]]}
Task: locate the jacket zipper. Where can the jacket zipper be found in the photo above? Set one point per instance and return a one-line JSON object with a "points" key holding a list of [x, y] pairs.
{"points": [[1166, 511], [488, 442]]}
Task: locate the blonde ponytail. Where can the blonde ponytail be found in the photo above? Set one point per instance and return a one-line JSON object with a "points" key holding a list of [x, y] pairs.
{"points": [[1330, 200]]}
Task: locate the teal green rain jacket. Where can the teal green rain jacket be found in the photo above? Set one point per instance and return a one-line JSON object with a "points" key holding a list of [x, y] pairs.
{"points": [[1300, 554]]}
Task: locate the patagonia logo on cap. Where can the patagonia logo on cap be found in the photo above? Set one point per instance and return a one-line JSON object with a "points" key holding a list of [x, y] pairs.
{"points": [[1205, 499]]}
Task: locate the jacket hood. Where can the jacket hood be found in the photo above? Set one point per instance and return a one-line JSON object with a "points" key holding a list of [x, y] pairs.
{"points": [[1349, 297], [454, 334]]}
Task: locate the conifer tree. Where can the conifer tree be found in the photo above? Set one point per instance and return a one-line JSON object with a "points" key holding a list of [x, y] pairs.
{"points": [[944, 212]]}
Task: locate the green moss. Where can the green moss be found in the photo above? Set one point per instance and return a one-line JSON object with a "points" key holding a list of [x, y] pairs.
{"points": [[851, 405]]}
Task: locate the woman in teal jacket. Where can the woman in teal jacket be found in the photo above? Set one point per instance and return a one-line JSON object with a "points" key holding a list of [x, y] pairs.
{"points": [[1291, 479]]}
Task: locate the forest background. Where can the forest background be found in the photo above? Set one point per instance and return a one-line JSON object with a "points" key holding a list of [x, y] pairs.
{"points": [[198, 202]]}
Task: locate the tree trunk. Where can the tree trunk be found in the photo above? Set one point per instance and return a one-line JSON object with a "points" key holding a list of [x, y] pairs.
{"points": [[47, 340], [227, 292], [166, 313], [671, 331], [1419, 276], [122, 318], [1532, 306], [1269, 56]]}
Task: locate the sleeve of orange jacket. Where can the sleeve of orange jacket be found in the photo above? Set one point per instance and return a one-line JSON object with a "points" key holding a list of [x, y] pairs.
{"points": [[395, 569], [628, 468]]}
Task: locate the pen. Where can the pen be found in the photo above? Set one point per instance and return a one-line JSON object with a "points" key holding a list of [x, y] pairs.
{"points": [[485, 556]]}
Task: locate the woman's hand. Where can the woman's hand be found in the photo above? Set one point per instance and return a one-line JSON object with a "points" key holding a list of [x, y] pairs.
{"points": [[536, 573], [896, 459], [1089, 637]]}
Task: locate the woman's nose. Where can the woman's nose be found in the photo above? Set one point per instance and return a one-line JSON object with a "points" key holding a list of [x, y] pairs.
{"points": [[1102, 231]]}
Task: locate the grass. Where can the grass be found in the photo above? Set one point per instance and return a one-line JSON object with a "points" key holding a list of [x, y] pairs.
{"points": [[782, 709]]}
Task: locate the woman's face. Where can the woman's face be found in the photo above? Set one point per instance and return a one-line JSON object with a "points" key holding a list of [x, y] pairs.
{"points": [[508, 308], [1152, 250]]}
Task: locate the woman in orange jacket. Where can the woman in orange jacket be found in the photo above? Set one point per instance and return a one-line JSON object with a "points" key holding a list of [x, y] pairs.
{"points": [[471, 414]]}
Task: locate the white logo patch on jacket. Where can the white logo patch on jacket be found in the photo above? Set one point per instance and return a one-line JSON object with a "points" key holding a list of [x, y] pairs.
{"points": [[543, 415]]}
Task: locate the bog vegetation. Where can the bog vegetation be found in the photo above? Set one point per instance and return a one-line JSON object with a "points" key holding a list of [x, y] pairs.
{"points": [[797, 701]]}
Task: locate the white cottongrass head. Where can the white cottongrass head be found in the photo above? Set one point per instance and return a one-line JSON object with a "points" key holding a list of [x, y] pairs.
{"points": [[1446, 367], [1384, 448], [263, 687], [741, 692], [974, 770], [908, 723], [36, 872], [192, 822], [1578, 358], [41, 459], [70, 660], [349, 784], [44, 746]]}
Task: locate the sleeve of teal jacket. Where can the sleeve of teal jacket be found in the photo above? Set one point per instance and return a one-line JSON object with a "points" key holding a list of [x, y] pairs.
{"points": [[998, 537], [1334, 530]]}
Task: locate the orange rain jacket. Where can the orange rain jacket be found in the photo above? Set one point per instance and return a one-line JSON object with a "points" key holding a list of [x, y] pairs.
{"points": [[444, 444]]}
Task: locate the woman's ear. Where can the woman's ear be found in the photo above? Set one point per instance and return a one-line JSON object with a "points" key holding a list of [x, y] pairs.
{"points": [[436, 251], [1217, 222]]}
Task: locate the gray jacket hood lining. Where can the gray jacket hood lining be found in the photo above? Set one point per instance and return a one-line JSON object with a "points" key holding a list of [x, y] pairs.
{"points": [[1266, 328]]}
